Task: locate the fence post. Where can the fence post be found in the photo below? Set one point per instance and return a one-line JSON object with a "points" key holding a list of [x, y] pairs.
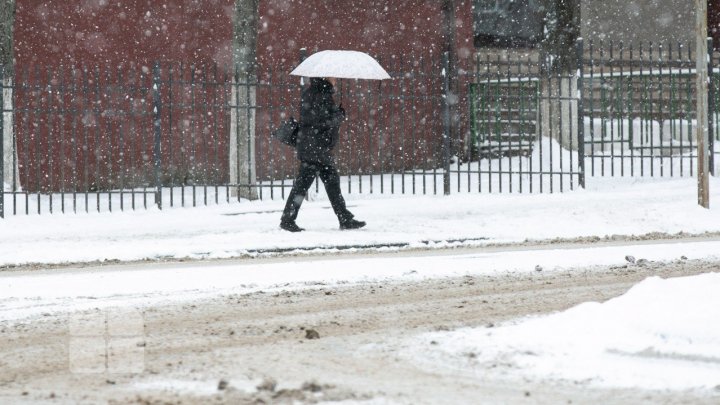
{"points": [[701, 85], [579, 48], [446, 123], [711, 109], [158, 132]]}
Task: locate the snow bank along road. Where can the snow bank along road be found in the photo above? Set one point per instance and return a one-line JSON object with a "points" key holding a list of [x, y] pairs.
{"points": [[307, 329]]}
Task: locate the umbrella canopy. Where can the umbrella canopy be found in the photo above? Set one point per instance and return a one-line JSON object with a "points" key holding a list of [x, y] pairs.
{"points": [[341, 64]]}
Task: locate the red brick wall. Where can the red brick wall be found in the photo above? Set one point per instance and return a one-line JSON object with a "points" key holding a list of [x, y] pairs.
{"points": [[404, 129], [54, 32], [84, 70], [129, 36]]}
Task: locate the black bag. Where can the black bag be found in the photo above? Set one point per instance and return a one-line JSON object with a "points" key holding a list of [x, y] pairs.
{"points": [[287, 132]]}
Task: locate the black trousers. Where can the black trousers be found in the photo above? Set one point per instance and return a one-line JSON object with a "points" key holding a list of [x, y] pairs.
{"points": [[330, 178]]}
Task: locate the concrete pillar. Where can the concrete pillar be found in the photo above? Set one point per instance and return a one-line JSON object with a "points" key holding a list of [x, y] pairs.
{"points": [[568, 113], [242, 138], [9, 158], [243, 100], [559, 110]]}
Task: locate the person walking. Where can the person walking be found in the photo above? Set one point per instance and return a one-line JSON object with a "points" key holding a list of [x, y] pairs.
{"points": [[320, 120]]}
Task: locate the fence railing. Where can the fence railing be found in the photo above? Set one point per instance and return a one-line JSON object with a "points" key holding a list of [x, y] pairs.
{"points": [[88, 139], [640, 110], [83, 139]]}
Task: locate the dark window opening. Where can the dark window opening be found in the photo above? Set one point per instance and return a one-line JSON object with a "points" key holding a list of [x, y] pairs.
{"points": [[714, 22], [508, 23]]}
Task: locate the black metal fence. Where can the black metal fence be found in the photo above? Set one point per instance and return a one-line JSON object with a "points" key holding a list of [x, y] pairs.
{"points": [[639, 114], [86, 139], [523, 127]]}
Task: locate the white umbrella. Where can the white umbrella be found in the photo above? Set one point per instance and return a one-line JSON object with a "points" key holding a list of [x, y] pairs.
{"points": [[341, 64]]}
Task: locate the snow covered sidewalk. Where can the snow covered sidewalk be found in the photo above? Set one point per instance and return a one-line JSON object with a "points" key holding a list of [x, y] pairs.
{"points": [[607, 207]]}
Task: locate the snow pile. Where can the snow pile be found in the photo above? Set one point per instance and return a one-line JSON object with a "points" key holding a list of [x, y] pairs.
{"points": [[662, 334]]}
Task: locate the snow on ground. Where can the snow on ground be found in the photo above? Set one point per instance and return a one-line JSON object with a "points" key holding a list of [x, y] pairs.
{"points": [[662, 334], [608, 206], [31, 293]]}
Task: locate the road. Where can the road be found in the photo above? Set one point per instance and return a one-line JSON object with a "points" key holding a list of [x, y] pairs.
{"points": [[336, 342]]}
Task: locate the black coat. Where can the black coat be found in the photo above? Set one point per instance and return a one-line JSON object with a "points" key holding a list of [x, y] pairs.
{"points": [[320, 121]]}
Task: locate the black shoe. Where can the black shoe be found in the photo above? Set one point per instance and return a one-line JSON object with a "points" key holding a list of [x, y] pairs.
{"points": [[291, 226], [352, 224]]}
